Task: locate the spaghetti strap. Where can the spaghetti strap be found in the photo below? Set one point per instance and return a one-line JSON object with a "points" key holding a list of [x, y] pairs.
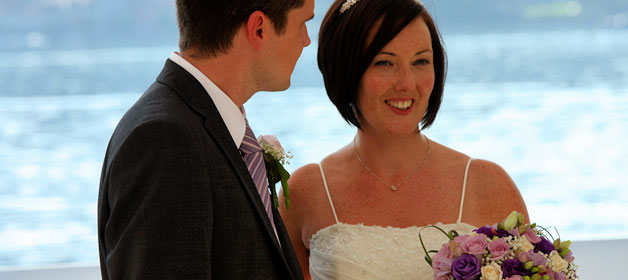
{"points": [[464, 188], [320, 166]]}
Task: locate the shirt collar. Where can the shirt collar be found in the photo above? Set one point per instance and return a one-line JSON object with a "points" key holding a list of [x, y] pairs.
{"points": [[233, 116]]}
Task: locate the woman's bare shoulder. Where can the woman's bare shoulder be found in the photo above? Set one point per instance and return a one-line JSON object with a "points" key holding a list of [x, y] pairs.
{"points": [[486, 172], [490, 176], [302, 181], [492, 193], [311, 175], [445, 151], [305, 174]]}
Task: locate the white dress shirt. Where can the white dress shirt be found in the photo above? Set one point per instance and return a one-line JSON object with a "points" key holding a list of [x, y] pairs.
{"points": [[233, 117]]}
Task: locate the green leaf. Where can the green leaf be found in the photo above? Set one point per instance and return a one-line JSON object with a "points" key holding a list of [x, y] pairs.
{"points": [[284, 184], [428, 260], [564, 245], [564, 252], [271, 169], [557, 244], [450, 235]]}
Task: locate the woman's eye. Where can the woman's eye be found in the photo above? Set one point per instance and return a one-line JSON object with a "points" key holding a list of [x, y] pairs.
{"points": [[383, 63], [422, 62]]}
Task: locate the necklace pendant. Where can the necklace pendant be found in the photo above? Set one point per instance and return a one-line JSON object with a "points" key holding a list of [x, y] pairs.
{"points": [[393, 187]]}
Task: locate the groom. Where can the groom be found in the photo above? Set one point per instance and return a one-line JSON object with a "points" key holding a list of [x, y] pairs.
{"points": [[183, 193]]}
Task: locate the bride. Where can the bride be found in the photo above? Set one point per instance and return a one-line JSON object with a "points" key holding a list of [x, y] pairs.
{"points": [[357, 214]]}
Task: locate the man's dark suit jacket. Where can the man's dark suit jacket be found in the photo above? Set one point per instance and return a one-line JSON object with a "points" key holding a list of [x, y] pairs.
{"points": [[176, 200]]}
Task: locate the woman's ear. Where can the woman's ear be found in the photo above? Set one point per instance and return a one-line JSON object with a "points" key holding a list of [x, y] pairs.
{"points": [[256, 28]]}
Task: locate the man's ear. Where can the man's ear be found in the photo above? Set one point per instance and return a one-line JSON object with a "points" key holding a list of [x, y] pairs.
{"points": [[256, 28]]}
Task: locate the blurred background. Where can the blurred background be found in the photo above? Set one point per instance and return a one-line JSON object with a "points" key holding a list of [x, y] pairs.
{"points": [[538, 86]]}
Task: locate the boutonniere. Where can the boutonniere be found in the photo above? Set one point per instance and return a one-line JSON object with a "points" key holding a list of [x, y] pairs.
{"points": [[274, 159]]}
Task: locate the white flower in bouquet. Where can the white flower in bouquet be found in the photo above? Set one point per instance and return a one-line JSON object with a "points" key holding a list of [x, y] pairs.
{"points": [[557, 263], [492, 272]]}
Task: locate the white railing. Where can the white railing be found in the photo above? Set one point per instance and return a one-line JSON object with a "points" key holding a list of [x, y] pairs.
{"points": [[601, 259], [64, 272]]}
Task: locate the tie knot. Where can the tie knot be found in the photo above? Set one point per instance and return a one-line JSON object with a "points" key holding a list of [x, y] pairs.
{"points": [[249, 143]]}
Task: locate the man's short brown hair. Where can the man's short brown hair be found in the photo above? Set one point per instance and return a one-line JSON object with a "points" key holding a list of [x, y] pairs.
{"points": [[209, 26]]}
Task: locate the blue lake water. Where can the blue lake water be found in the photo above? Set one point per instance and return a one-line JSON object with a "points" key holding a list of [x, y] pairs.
{"points": [[549, 107]]}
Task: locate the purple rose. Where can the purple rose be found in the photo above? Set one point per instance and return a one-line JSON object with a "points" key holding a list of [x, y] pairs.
{"points": [[491, 231], [466, 267], [488, 231], [544, 246], [514, 267], [502, 233]]}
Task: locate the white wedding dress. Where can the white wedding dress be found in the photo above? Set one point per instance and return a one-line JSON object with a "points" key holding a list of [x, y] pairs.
{"points": [[347, 251]]}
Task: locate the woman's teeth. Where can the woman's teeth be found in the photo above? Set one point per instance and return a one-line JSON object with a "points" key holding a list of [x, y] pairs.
{"points": [[401, 105]]}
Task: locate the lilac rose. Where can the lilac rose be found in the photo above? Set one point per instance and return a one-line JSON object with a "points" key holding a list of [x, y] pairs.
{"points": [[458, 240], [475, 245], [466, 267], [569, 257], [441, 263], [514, 232], [544, 246], [514, 267], [559, 276], [530, 255], [498, 249], [531, 236], [515, 277]]}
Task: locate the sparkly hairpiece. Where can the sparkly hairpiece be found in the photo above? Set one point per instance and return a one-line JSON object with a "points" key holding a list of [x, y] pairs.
{"points": [[347, 5]]}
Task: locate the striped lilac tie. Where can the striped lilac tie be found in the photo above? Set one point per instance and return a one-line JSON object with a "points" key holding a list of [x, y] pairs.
{"points": [[254, 159]]}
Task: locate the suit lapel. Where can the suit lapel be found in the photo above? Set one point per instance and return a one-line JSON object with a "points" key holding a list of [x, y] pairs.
{"points": [[288, 250], [195, 96]]}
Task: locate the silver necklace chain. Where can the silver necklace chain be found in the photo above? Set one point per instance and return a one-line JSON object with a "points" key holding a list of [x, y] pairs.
{"points": [[394, 187]]}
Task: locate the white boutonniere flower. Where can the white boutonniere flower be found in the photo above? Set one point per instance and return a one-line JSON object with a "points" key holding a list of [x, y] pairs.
{"points": [[274, 158]]}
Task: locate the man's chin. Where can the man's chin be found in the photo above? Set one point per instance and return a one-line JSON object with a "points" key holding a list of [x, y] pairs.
{"points": [[281, 87]]}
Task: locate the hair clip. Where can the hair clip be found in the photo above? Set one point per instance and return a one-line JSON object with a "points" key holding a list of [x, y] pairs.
{"points": [[350, 3], [347, 5]]}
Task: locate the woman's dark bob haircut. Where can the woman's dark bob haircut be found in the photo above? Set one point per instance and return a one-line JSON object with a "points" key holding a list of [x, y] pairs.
{"points": [[343, 56]]}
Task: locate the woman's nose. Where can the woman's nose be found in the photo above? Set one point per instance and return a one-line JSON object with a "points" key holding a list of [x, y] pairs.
{"points": [[405, 80]]}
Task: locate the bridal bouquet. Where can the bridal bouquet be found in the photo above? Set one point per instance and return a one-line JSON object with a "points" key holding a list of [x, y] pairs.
{"points": [[509, 250]]}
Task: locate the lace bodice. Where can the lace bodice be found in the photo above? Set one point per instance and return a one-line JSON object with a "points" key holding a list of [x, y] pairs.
{"points": [[345, 251]]}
